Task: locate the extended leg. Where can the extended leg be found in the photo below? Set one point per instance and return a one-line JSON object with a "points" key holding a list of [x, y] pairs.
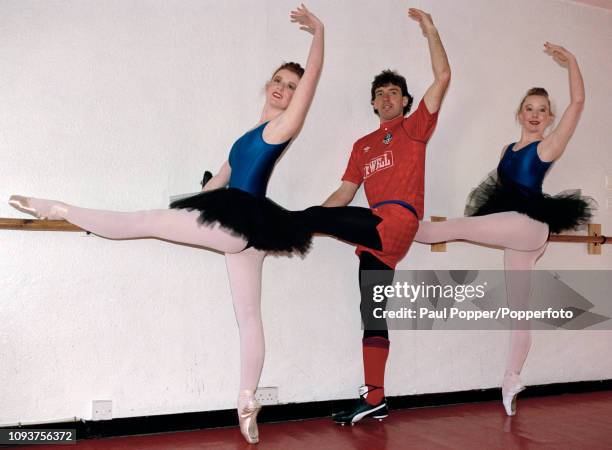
{"points": [[349, 223], [171, 224], [506, 229]]}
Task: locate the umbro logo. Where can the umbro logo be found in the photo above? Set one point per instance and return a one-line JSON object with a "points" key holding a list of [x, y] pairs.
{"points": [[366, 149]]}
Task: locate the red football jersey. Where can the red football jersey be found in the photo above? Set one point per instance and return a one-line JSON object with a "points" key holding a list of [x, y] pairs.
{"points": [[391, 160]]}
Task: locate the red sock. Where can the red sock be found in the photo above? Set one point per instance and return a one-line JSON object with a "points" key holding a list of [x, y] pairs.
{"points": [[375, 352]]}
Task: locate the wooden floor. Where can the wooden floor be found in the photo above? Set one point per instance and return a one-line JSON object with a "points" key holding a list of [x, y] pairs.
{"points": [[572, 421]]}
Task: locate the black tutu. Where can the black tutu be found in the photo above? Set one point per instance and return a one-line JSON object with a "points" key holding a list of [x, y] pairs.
{"points": [[564, 211], [264, 224]]}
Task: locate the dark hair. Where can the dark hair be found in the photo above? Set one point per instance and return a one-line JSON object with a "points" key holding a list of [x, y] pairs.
{"points": [[387, 77], [291, 67], [536, 91]]}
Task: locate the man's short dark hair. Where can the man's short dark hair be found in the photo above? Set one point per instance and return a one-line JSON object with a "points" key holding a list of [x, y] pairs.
{"points": [[387, 77]]}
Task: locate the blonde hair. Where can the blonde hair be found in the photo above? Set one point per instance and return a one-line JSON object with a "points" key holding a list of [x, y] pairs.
{"points": [[536, 91]]}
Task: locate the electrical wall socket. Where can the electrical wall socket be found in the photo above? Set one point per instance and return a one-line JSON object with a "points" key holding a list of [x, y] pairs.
{"points": [[101, 410], [267, 395]]}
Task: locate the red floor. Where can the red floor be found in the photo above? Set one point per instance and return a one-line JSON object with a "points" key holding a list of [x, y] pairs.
{"points": [[576, 421]]}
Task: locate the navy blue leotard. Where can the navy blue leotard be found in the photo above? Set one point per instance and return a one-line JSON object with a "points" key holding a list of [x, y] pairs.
{"points": [[518, 187], [252, 160], [523, 167]]}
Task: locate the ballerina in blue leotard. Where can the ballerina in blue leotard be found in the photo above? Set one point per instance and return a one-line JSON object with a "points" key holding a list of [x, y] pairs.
{"points": [[231, 220], [232, 214], [510, 210]]}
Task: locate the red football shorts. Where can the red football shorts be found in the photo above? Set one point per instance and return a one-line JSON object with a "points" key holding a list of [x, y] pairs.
{"points": [[396, 230]]}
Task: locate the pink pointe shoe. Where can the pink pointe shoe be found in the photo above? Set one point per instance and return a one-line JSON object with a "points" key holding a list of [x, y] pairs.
{"points": [[248, 408], [39, 208], [511, 387]]}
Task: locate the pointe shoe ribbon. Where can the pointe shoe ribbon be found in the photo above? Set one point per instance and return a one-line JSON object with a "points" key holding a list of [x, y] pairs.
{"points": [[247, 416]]}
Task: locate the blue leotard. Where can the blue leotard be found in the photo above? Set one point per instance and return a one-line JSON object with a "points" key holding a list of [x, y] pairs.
{"points": [[252, 160], [523, 167]]}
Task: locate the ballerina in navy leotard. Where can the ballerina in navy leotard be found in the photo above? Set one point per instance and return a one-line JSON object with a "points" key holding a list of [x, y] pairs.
{"points": [[510, 210]]}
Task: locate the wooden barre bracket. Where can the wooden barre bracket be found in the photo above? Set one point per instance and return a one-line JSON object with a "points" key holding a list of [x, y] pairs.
{"points": [[595, 231], [441, 246]]}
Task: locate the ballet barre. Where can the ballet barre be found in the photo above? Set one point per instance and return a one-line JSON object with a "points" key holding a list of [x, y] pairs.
{"points": [[594, 239], [37, 225]]}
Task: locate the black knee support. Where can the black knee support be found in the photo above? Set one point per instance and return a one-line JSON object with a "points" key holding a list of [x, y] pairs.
{"points": [[373, 272]]}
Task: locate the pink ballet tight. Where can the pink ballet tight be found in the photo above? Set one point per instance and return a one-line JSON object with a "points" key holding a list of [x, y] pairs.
{"points": [[244, 265], [244, 270], [506, 229], [523, 240], [519, 266], [176, 225]]}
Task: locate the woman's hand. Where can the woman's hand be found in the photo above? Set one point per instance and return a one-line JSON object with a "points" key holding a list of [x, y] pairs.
{"points": [[424, 19], [289, 122], [560, 54], [308, 21], [554, 144]]}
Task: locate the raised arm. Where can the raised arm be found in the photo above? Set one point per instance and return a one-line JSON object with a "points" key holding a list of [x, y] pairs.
{"points": [[343, 195], [439, 62], [290, 121], [554, 144], [220, 179]]}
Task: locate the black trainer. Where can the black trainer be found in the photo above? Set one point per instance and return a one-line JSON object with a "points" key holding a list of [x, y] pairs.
{"points": [[363, 409]]}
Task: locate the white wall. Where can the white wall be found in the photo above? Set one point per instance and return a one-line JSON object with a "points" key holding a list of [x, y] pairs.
{"points": [[120, 104]]}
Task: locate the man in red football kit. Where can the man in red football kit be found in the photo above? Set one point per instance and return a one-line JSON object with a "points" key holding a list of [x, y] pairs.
{"points": [[390, 162]]}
